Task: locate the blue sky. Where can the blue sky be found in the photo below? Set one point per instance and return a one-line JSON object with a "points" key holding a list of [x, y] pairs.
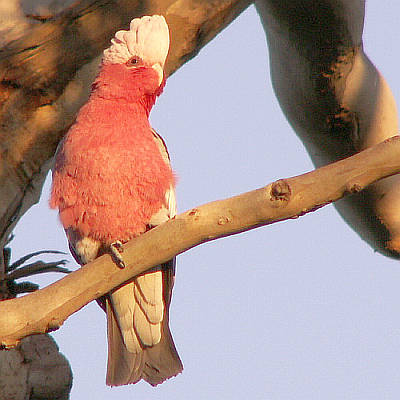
{"points": [[298, 310]]}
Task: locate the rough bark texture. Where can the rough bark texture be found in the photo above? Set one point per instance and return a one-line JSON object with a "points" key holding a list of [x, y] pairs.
{"points": [[336, 100], [48, 308]]}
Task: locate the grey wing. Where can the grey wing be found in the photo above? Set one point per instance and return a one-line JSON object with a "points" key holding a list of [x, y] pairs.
{"points": [[138, 316], [169, 209]]}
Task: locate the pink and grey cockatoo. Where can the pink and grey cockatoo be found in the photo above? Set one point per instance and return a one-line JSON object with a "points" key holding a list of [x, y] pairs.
{"points": [[112, 181]]}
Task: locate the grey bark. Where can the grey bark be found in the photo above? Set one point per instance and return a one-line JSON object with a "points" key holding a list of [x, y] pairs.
{"points": [[336, 100]]}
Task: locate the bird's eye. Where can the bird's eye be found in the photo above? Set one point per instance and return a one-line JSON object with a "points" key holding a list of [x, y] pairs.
{"points": [[135, 61]]}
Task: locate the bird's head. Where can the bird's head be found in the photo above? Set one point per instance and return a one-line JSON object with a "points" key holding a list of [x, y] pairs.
{"points": [[137, 53]]}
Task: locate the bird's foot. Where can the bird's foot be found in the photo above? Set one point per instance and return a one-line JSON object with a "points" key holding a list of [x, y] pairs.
{"points": [[116, 249]]}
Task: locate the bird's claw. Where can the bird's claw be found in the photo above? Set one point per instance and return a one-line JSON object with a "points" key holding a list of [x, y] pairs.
{"points": [[116, 249]]}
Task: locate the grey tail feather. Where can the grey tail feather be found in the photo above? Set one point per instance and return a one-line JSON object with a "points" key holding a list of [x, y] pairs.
{"points": [[154, 364]]}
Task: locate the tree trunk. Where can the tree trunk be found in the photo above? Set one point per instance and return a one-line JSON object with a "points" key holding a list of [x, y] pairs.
{"points": [[336, 100]]}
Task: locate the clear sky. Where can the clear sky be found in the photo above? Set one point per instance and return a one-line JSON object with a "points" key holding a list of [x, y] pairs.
{"points": [[298, 310]]}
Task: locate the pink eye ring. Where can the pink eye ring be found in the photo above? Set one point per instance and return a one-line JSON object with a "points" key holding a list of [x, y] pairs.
{"points": [[135, 61]]}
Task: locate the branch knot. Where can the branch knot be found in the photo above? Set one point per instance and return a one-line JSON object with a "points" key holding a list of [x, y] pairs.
{"points": [[280, 191]]}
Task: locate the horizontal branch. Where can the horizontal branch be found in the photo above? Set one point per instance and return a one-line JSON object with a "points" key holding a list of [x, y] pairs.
{"points": [[48, 308]]}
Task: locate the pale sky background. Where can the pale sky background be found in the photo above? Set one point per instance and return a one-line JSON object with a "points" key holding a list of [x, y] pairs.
{"points": [[302, 309]]}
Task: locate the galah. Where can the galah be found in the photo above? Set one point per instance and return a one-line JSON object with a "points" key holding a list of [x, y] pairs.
{"points": [[112, 181]]}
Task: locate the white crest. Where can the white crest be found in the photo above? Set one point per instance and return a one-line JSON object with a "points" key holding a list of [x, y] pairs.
{"points": [[148, 38]]}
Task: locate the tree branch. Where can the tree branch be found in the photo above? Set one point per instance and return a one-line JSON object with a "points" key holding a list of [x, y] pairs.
{"points": [[48, 308]]}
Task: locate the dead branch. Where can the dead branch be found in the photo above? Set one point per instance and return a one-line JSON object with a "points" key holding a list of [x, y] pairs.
{"points": [[48, 308]]}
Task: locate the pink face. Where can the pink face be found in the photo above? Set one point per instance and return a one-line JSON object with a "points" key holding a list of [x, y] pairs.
{"points": [[136, 62], [130, 80]]}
